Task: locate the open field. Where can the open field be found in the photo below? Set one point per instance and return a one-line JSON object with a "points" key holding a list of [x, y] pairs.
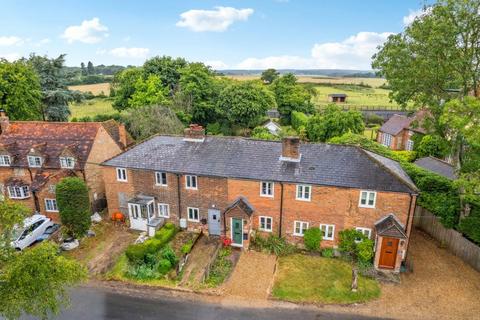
{"points": [[96, 88], [357, 96], [374, 82], [91, 108]]}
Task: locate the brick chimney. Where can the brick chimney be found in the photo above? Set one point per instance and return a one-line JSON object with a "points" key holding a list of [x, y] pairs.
{"points": [[122, 134], [4, 121], [291, 149], [194, 133]]}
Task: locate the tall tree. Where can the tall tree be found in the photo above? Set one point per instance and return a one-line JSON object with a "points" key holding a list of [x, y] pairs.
{"points": [[56, 95], [33, 281], [83, 70], [269, 75], [149, 91], [20, 92], [123, 85], [291, 96], [245, 102], [90, 68], [166, 68]]}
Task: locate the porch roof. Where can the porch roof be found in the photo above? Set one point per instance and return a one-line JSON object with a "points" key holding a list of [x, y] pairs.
{"points": [[243, 204], [141, 199], [389, 226]]}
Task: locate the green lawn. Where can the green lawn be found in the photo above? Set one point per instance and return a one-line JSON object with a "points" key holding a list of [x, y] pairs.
{"points": [[303, 278], [357, 96], [91, 108]]}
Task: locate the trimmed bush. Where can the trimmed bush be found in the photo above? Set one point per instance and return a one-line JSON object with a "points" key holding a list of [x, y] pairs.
{"points": [[273, 244], [164, 266], [187, 247], [136, 253], [74, 206], [312, 239], [166, 233], [169, 254], [299, 119]]}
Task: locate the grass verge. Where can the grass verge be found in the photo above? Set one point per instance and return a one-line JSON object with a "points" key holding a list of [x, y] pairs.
{"points": [[302, 278]]}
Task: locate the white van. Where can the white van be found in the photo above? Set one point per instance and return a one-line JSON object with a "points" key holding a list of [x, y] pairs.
{"points": [[33, 227]]}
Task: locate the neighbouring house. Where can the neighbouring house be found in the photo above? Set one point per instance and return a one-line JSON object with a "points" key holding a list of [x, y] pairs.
{"points": [[396, 133], [238, 187], [273, 114], [337, 97], [273, 127], [437, 166], [36, 155]]}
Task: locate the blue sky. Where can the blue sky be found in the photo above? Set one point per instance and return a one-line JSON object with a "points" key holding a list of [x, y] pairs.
{"points": [[225, 34]]}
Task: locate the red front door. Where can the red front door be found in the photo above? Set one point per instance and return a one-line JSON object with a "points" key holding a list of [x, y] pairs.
{"points": [[388, 253]]}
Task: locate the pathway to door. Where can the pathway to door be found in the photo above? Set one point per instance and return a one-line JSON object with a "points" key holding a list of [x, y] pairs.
{"points": [[252, 277]]}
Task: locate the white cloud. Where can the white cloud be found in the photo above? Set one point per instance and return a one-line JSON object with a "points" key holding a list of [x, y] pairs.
{"points": [[407, 20], [217, 20], [355, 52], [10, 56], [89, 31], [6, 41], [216, 64], [124, 52]]}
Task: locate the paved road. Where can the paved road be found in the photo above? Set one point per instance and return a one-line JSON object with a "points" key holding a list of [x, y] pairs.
{"points": [[96, 303]]}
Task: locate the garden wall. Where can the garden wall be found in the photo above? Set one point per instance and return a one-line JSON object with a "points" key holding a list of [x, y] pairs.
{"points": [[451, 239]]}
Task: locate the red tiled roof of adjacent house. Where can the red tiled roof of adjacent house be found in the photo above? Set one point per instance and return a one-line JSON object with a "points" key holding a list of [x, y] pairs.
{"points": [[49, 139], [398, 122]]}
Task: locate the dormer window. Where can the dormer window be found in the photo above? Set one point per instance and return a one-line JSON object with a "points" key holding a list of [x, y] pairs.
{"points": [[67, 162], [4, 161], [34, 161]]}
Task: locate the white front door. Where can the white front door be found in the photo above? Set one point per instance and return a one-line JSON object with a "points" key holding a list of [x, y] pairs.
{"points": [[137, 221]]}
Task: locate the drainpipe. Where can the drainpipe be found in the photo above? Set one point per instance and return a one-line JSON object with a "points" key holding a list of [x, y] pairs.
{"points": [[179, 198], [408, 221], [281, 210], [34, 194]]}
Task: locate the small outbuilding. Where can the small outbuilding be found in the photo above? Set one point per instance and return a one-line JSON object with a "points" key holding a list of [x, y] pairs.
{"points": [[273, 127], [273, 114], [337, 97]]}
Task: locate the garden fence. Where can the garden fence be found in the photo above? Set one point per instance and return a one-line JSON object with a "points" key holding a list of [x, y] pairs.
{"points": [[451, 239]]}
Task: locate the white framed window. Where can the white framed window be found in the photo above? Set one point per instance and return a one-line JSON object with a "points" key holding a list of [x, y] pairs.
{"points": [[266, 189], [367, 232], [51, 205], [367, 199], [328, 231], [193, 214], [409, 145], [387, 139], [161, 178], [265, 223], [22, 192], [67, 162], [163, 210], [299, 228], [121, 174], [34, 161], [304, 192], [191, 182], [5, 161]]}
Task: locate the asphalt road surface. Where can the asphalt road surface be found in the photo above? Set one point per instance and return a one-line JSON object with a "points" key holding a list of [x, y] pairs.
{"points": [[98, 303]]}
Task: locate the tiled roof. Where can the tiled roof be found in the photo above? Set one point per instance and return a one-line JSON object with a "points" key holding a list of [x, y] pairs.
{"points": [[389, 226], [338, 95], [50, 140], [112, 127], [396, 124], [437, 166], [235, 157]]}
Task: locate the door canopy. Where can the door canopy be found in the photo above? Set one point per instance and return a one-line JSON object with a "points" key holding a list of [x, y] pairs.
{"points": [[389, 226], [242, 204]]}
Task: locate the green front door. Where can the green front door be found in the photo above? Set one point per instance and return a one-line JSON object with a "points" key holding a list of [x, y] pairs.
{"points": [[237, 231]]}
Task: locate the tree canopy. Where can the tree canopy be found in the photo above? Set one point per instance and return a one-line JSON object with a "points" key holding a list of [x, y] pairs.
{"points": [[269, 75], [291, 96]]}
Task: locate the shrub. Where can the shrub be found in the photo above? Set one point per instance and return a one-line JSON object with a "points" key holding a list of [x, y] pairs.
{"points": [[312, 239], [432, 145], [214, 128], [299, 119], [136, 253], [470, 226], [328, 253], [365, 250], [187, 247], [164, 265], [169, 254], [262, 133], [141, 272], [273, 244], [355, 246], [166, 233], [74, 206], [405, 156]]}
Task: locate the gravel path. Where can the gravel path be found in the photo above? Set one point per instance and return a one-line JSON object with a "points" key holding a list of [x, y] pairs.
{"points": [[252, 277]]}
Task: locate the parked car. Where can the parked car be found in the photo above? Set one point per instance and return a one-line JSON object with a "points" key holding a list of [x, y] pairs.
{"points": [[32, 228], [49, 232]]}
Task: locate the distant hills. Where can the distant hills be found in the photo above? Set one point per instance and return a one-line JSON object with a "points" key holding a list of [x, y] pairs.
{"points": [[306, 72]]}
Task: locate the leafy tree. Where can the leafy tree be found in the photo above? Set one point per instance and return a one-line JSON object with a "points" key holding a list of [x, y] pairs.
{"points": [[55, 93], [291, 96], [299, 119], [32, 281], [432, 145], [245, 102], [334, 122], [20, 91], [83, 69], [148, 92], [74, 205], [312, 239], [166, 68], [269, 75], [146, 121], [123, 86], [90, 68]]}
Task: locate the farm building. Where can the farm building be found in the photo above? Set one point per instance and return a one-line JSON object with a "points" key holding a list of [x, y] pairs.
{"points": [[337, 97]]}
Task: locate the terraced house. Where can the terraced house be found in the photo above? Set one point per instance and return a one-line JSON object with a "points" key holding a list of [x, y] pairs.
{"points": [[236, 187], [36, 155]]}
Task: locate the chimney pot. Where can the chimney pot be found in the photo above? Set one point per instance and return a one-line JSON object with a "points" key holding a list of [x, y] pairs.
{"points": [[291, 149], [194, 132]]}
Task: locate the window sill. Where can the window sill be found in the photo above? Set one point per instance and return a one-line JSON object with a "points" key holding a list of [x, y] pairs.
{"points": [[304, 200], [266, 196], [190, 220], [298, 235], [367, 207], [264, 230], [187, 188]]}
